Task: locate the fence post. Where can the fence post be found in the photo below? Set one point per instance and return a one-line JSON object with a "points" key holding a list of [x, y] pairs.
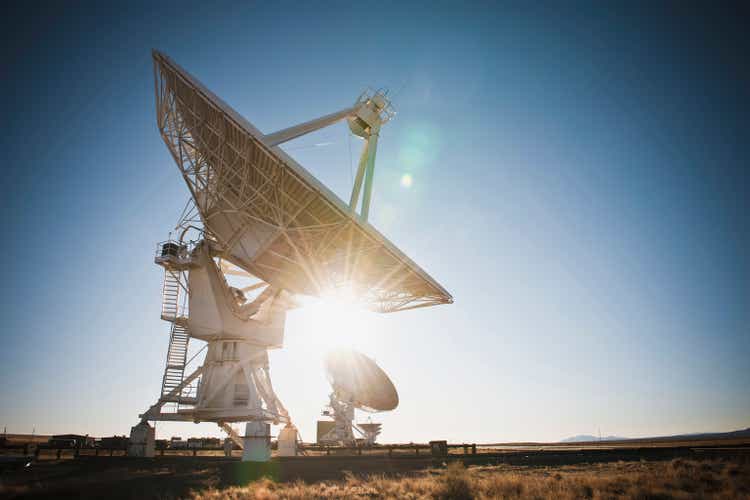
{"points": [[390, 451], [416, 450], [195, 452], [474, 449]]}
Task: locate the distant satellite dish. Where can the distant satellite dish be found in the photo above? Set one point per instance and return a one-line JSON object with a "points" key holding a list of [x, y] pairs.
{"points": [[358, 380]]}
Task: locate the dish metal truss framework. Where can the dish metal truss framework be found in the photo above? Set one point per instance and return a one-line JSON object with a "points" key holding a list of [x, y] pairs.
{"points": [[267, 215]]}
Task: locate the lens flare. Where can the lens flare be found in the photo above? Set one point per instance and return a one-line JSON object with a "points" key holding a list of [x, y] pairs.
{"points": [[406, 180]]}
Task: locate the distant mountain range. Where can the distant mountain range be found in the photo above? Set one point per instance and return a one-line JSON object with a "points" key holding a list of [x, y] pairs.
{"points": [[583, 438]]}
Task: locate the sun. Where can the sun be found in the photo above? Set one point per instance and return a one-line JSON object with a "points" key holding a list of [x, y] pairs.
{"points": [[335, 319]]}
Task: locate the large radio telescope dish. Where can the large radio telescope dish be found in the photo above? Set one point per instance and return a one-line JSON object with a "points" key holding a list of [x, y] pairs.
{"points": [[260, 215], [358, 380], [266, 214]]}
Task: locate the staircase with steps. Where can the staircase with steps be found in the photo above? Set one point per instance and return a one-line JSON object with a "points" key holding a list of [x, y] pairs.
{"points": [[176, 358], [170, 294], [179, 335]]}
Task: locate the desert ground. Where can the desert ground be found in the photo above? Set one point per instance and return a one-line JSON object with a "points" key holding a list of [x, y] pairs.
{"points": [[637, 480], [533, 470]]}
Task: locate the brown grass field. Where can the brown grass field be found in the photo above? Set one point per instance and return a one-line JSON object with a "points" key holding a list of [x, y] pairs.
{"points": [[214, 478], [676, 479], [648, 470]]}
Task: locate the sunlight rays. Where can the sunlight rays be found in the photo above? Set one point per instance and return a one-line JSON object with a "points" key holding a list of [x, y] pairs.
{"points": [[334, 319]]}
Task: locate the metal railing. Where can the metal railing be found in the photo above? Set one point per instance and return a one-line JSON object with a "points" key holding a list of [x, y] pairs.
{"points": [[386, 113], [174, 251]]}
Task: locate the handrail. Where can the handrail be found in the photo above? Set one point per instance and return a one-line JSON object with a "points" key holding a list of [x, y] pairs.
{"points": [[196, 354]]}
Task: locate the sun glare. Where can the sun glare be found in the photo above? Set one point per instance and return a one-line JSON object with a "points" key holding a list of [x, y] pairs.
{"points": [[335, 319]]}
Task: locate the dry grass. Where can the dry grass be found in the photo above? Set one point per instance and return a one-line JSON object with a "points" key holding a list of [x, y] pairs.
{"points": [[678, 479]]}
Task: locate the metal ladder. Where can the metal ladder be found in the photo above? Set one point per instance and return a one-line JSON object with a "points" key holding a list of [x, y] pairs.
{"points": [[176, 359]]}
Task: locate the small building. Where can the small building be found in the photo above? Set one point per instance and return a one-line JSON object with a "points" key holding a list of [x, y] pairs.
{"points": [[176, 443], [71, 441], [326, 432], [211, 443], [114, 443]]}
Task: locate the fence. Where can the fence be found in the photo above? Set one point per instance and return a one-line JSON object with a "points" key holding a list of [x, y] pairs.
{"points": [[47, 451]]}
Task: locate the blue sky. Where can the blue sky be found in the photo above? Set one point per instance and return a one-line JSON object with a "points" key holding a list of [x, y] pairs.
{"points": [[579, 185]]}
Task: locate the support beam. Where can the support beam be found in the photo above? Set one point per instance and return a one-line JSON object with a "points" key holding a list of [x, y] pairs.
{"points": [[372, 146], [295, 131], [171, 417], [156, 409], [359, 177], [366, 172], [236, 438]]}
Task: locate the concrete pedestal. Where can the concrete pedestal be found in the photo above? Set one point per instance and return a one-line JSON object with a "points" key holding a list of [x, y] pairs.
{"points": [[257, 442], [288, 441], [142, 441]]}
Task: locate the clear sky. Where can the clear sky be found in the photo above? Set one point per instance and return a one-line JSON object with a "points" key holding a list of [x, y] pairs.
{"points": [[579, 184]]}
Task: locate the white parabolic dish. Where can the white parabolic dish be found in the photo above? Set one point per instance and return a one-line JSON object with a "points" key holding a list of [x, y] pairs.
{"points": [[357, 379], [266, 214]]}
